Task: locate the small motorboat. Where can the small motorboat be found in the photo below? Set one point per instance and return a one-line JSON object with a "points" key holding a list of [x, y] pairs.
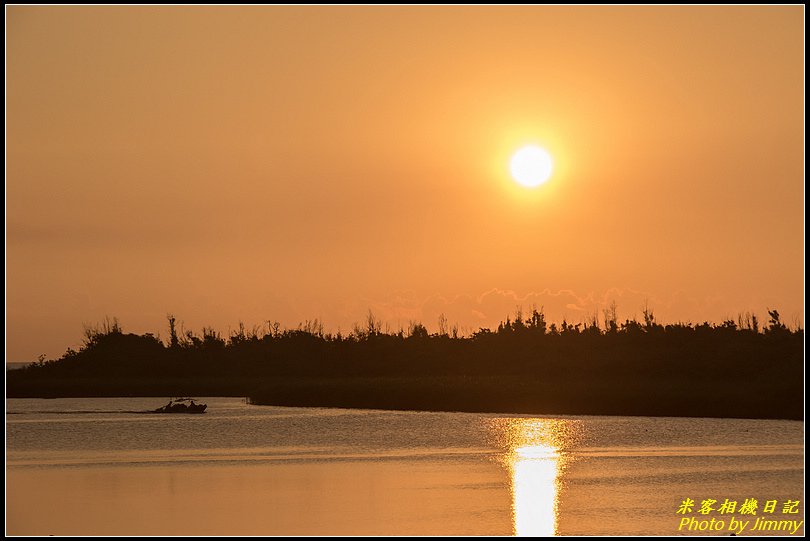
{"points": [[181, 405]]}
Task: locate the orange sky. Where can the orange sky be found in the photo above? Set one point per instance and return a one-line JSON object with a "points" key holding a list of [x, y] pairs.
{"points": [[288, 163]]}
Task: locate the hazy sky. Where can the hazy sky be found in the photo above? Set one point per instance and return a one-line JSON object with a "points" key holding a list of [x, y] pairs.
{"points": [[291, 163]]}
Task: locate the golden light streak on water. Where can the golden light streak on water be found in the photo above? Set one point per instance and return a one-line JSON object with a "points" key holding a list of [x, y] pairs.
{"points": [[535, 457]]}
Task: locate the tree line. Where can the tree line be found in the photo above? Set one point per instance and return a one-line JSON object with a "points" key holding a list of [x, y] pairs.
{"points": [[740, 367]]}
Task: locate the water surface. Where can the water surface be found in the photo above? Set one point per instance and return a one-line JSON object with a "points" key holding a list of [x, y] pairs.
{"points": [[98, 466]]}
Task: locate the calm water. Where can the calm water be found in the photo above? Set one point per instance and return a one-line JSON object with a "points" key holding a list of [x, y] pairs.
{"points": [[95, 466]]}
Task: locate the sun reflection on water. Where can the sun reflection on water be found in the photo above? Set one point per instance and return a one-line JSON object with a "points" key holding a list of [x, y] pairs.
{"points": [[535, 455]]}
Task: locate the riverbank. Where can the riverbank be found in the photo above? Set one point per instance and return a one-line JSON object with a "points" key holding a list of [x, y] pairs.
{"points": [[491, 394], [523, 367]]}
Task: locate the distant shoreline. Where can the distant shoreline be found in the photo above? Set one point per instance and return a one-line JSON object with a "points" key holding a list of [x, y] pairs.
{"points": [[17, 365], [202, 398], [521, 395], [528, 413], [525, 366], [488, 394]]}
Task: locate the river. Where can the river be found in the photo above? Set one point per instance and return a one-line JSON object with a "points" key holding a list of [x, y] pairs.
{"points": [[99, 466]]}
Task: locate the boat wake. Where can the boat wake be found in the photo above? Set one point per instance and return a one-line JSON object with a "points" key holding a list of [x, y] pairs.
{"points": [[75, 412]]}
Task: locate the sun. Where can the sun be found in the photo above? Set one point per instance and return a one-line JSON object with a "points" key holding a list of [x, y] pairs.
{"points": [[531, 166]]}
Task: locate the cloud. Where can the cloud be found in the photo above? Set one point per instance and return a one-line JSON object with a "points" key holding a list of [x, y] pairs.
{"points": [[470, 312], [490, 307]]}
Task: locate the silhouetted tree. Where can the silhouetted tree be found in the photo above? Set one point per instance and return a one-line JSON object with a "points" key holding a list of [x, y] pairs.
{"points": [[774, 325], [527, 365], [174, 342]]}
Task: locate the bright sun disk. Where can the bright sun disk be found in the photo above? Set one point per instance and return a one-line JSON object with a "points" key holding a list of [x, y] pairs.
{"points": [[531, 166]]}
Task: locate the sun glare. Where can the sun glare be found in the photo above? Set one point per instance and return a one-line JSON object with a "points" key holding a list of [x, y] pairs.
{"points": [[531, 166], [536, 456]]}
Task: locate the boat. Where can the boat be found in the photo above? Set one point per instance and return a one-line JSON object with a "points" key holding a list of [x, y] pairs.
{"points": [[181, 405]]}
